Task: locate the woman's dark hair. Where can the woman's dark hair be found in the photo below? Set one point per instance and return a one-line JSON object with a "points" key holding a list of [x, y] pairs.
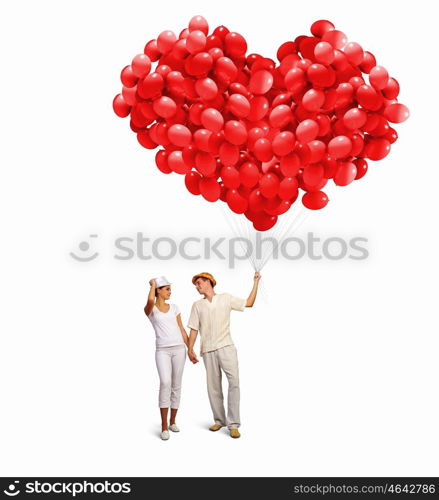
{"points": [[160, 287]]}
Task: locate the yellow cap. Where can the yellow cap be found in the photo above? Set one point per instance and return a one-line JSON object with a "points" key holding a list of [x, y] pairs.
{"points": [[204, 275]]}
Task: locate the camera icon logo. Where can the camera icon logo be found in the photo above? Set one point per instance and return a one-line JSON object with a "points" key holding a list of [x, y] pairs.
{"points": [[12, 490]]}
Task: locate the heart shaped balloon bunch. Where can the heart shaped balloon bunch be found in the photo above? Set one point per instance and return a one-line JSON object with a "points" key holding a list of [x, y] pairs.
{"points": [[252, 132]]}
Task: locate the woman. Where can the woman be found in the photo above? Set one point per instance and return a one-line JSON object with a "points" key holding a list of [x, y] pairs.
{"points": [[170, 354]]}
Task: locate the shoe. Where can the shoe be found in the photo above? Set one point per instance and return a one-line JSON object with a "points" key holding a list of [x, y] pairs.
{"points": [[174, 428], [164, 435], [234, 433], [215, 427]]}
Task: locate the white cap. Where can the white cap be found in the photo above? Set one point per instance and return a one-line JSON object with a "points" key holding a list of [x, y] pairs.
{"points": [[162, 281]]}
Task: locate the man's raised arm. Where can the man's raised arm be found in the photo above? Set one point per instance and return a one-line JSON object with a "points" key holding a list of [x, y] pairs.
{"points": [[252, 297]]}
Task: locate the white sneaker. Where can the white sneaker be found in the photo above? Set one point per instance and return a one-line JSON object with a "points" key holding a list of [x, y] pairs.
{"points": [[174, 428], [164, 435]]}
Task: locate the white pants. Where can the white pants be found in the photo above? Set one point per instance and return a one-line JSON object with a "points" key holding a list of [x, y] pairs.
{"points": [[225, 359], [170, 364]]}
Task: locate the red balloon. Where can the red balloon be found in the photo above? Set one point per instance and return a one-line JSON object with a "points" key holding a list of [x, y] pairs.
{"points": [[210, 189], [201, 139], [324, 124], [324, 52], [196, 41], [307, 131], [378, 77], [120, 107], [199, 64], [319, 28], [263, 150], [163, 69], [199, 23], [357, 144], [176, 163], [283, 143], [320, 75], [205, 163], [206, 88], [164, 107], [313, 99], [145, 140], [361, 165], [346, 173], [340, 146], [286, 49], [288, 189], [269, 185], [315, 200], [261, 82], [235, 132], [165, 41], [317, 150], [212, 119], [152, 51], [295, 80], [377, 149], [230, 177], [392, 135], [391, 90], [179, 135], [150, 86], [276, 206], [225, 68], [141, 65], [313, 174], [128, 78], [290, 165], [192, 182], [354, 118], [264, 222], [336, 38], [249, 174], [354, 53], [344, 94], [161, 160], [396, 112], [221, 31], [368, 62], [239, 88], [228, 153], [236, 201], [280, 116], [239, 105], [189, 153], [259, 107], [235, 44], [369, 98]]}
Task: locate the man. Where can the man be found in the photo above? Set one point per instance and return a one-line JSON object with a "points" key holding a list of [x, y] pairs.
{"points": [[211, 317]]}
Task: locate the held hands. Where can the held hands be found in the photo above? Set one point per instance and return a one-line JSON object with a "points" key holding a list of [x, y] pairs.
{"points": [[192, 357]]}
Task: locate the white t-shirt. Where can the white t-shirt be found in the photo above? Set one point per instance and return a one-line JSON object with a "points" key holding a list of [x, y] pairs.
{"points": [[167, 332]]}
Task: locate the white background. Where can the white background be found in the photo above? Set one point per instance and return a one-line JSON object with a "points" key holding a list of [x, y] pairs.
{"points": [[338, 359]]}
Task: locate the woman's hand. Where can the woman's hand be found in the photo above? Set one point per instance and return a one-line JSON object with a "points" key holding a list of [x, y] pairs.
{"points": [[152, 282], [192, 357], [257, 276]]}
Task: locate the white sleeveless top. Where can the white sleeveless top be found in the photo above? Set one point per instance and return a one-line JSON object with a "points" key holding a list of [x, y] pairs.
{"points": [[167, 332]]}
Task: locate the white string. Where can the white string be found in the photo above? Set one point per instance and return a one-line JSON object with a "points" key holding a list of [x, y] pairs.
{"points": [[287, 225]]}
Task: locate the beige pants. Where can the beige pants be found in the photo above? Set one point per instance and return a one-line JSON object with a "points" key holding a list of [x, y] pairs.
{"points": [[224, 359]]}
